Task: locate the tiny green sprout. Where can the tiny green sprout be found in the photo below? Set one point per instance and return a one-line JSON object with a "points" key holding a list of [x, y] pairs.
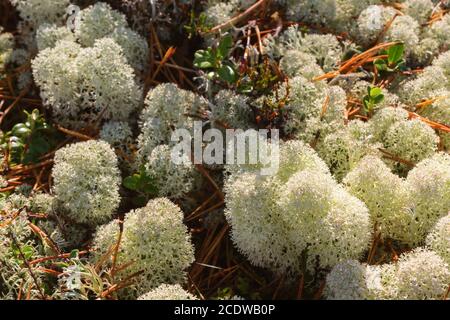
{"points": [[394, 61], [224, 293], [374, 96], [215, 61], [196, 24], [143, 184]]}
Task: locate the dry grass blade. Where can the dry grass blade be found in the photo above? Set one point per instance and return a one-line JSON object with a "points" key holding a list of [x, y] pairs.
{"points": [[120, 285], [116, 249], [25, 261], [38, 231]]}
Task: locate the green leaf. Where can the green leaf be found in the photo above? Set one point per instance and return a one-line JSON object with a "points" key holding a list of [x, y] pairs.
{"points": [[21, 130], [37, 147], [204, 59], [378, 99], [227, 74], [74, 254], [131, 182], [380, 64], [27, 251], [366, 102], [375, 92], [395, 53], [141, 182], [225, 45]]}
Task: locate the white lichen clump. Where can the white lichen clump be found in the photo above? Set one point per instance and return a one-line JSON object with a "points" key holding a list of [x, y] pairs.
{"points": [[37, 12], [351, 280], [158, 242], [384, 119], [422, 274], [418, 275], [168, 292], [218, 12], [343, 149], [84, 85], [170, 179], [411, 140], [231, 111], [6, 47], [371, 22], [301, 209], [440, 112], [86, 182], [326, 49], [312, 108], [430, 189], [385, 194], [47, 35], [419, 9], [310, 11], [93, 23], [438, 239], [429, 84], [96, 22], [295, 63], [167, 108], [12, 270], [326, 220], [406, 30], [439, 31], [119, 135]]}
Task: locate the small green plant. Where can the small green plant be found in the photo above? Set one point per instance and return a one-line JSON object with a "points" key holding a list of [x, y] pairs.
{"points": [[143, 184], [81, 280], [224, 293], [260, 79], [394, 61], [28, 141], [215, 62], [196, 24], [374, 96]]}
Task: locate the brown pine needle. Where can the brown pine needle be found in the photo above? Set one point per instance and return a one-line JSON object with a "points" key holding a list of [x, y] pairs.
{"points": [[428, 102], [22, 169], [74, 134], [319, 293], [12, 105], [60, 256], [325, 105], [41, 234], [235, 20], [388, 155], [432, 124], [353, 63]]}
